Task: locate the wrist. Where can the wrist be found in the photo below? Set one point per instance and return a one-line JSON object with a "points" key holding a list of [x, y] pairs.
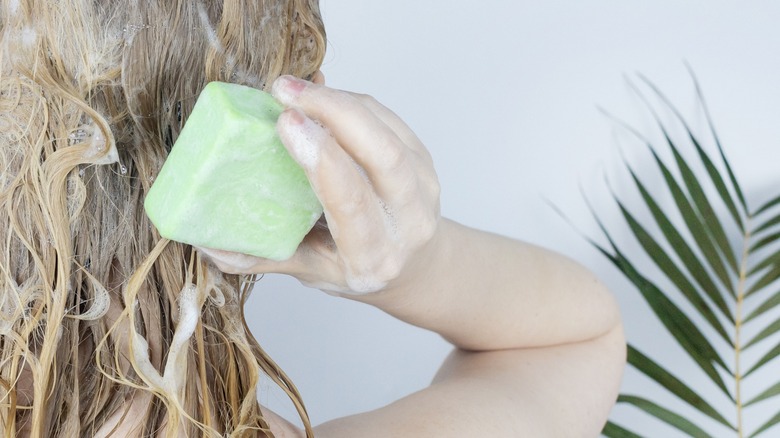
{"points": [[422, 277]]}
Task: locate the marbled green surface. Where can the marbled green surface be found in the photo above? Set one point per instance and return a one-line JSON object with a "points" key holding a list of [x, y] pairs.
{"points": [[229, 183]]}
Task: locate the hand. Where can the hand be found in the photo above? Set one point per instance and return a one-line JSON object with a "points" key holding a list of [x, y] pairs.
{"points": [[377, 185]]}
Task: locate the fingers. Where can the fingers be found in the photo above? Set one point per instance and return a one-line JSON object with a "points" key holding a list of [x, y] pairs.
{"points": [[237, 263], [352, 209], [314, 263], [395, 123], [374, 179], [358, 125]]}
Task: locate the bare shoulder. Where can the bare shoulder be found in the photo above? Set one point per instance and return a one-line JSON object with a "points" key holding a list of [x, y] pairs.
{"points": [[280, 427]]}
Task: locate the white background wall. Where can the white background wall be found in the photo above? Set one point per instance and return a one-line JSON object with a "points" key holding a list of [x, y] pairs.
{"points": [[505, 95]]}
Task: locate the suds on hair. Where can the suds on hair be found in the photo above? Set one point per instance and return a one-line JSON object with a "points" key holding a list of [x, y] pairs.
{"points": [[96, 310]]}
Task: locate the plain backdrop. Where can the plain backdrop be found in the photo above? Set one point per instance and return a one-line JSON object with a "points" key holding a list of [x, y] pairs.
{"points": [[506, 95]]}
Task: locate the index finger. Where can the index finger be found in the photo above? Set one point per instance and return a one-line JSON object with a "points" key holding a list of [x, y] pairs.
{"points": [[386, 159], [342, 110]]}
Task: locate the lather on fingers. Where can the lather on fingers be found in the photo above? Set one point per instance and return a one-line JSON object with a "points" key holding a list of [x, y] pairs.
{"points": [[347, 198], [374, 189], [380, 219], [355, 214], [371, 143]]}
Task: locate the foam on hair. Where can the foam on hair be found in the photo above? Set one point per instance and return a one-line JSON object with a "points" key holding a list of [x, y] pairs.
{"points": [[95, 308]]}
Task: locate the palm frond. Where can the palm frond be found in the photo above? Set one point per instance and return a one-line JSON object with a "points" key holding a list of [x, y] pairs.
{"points": [[768, 425], [705, 108], [673, 384], [612, 430], [671, 418], [708, 249]]}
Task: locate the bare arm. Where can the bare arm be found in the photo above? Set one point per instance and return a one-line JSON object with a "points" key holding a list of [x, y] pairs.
{"points": [[482, 291], [558, 347], [539, 342]]}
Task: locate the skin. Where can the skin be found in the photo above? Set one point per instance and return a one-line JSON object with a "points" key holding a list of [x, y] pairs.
{"points": [[538, 342]]}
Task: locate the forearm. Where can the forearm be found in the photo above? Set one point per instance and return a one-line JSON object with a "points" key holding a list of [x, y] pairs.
{"points": [[482, 291]]}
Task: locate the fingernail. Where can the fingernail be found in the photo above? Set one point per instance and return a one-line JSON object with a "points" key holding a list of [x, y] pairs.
{"points": [[295, 116], [287, 88], [302, 137]]}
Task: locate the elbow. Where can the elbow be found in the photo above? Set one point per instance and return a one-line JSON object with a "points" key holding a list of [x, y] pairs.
{"points": [[613, 346]]}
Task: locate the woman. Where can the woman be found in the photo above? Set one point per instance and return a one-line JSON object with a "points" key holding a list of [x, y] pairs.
{"points": [[108, 330]]}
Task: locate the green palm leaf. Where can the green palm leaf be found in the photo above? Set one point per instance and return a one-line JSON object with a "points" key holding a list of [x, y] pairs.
{"points": [[771, 203], [701, 205], [665, 415], [766, 306], [729, 171], [688, 257], [673, 384], [668, 266], [715, 254], [676, 322], [712, 170], [766, 426], [771, 222], [770, 355], [767, 262], [766, 241], [612, 430], [769, 393]]}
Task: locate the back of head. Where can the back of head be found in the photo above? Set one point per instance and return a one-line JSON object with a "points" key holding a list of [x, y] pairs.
{"points": [[96, 310]]}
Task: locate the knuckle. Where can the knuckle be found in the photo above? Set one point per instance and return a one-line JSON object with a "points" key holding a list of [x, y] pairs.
{"points": [[423, 229], [390, 269], [319, 99], [366, 99], [394, 156], [407, 192], [432, 187], [428, 227], [344, 99], [427, 178], [352, 206]]}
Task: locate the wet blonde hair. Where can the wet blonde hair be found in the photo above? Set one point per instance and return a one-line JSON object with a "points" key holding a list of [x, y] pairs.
{"points": [[96, 310]]}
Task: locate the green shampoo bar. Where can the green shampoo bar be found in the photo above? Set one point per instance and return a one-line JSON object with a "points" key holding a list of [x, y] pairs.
{"points": [[229, 183]]}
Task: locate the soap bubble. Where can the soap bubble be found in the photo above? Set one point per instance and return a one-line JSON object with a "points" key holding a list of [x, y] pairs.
{"points": [[77, 136]]}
